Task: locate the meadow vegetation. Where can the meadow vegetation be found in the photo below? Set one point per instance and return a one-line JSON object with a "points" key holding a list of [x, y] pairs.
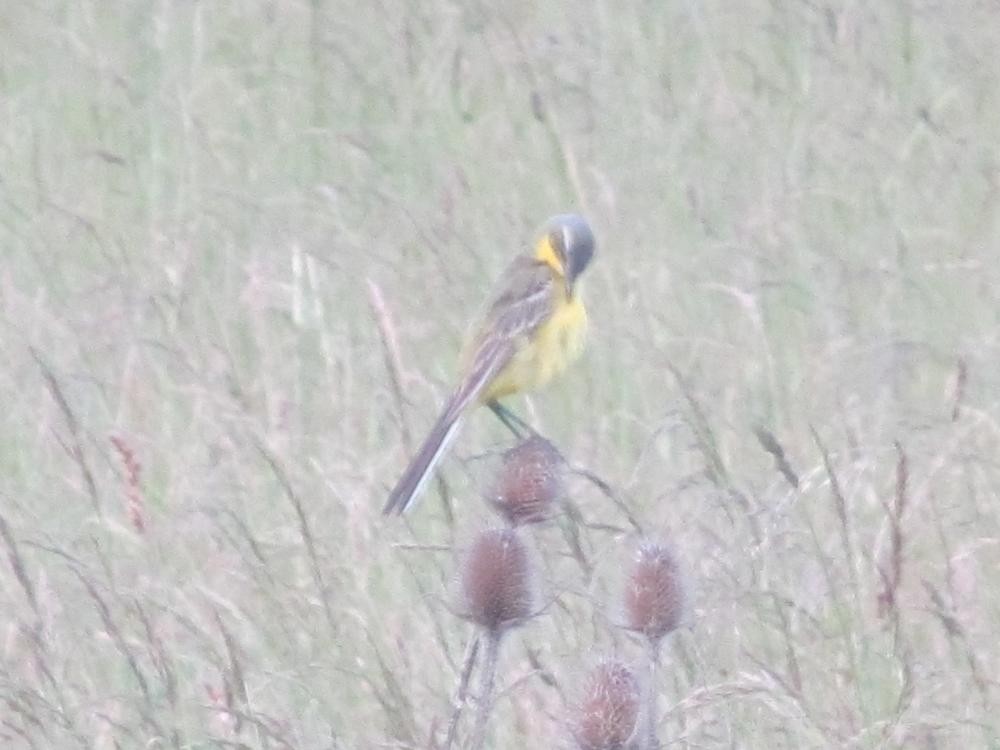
{"points": [[241, 242]]}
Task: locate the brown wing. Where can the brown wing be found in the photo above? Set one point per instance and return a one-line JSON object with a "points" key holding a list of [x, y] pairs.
{"points": [[523, 304]]}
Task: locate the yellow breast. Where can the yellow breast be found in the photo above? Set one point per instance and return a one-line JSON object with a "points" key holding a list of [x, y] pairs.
{"points": [[552, 348]]}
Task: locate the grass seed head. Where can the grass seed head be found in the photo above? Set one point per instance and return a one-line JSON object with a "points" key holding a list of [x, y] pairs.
{"points": [[530, 482], [606, 718], [654, 592], [496, 583]]}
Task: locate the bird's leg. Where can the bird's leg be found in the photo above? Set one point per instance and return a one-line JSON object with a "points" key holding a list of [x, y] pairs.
{"points": [[513, 422]]}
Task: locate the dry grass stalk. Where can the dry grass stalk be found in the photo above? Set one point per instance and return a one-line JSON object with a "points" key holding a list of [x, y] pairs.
{"points": [[961, 381], [304, 528], [391, 354], [890, 567], [770, 444], [75, 447], [19, 568]]}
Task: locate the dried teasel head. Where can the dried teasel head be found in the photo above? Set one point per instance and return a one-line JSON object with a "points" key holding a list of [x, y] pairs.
{"points": [[655, 596], [496, 582], [530, 482], [607, 717]]}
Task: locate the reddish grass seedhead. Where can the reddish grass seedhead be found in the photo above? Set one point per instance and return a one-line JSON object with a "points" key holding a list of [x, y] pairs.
{"points": [[654, 592], [497, 589], [607, 716], [530, 482], [133, 483]]}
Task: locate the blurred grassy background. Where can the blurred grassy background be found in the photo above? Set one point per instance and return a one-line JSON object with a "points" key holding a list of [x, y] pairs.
{"points": [[201, 204]]}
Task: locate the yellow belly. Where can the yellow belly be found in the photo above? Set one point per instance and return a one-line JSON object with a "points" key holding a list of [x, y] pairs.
{"points": [[555, 345]]}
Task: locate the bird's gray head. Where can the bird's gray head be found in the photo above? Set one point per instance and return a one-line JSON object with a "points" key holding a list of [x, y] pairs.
{"points": [[572, 241]]}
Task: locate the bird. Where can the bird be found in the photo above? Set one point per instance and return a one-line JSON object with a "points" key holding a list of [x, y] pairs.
{"points": [[534, 328]]}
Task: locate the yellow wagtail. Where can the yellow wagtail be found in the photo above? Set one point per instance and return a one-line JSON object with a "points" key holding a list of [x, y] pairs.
{"points": [[533, 329]]}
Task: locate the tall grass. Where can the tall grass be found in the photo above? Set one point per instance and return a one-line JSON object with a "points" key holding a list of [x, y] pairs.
{"points": [[796, 210]]}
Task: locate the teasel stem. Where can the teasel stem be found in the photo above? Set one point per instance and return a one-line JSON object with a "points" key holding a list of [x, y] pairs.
{"points": [[461, 695], [486, 686], [653, 654]]}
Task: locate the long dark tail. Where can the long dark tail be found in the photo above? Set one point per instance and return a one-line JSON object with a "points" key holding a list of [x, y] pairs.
{"points": [[492, 355], [421, 468]]}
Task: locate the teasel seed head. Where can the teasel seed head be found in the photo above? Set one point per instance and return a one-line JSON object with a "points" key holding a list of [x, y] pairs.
{"points": [[496, 581], [655, 595], [607, 717], [530, 482]]}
